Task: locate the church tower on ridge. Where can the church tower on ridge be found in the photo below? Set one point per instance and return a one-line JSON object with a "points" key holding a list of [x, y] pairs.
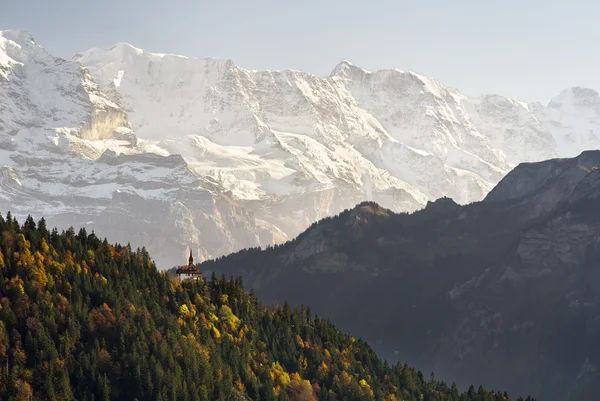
{"points": [[189, 271]]}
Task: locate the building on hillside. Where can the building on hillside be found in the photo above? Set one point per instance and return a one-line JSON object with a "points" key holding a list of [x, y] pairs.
{"points": [[189, 271]]}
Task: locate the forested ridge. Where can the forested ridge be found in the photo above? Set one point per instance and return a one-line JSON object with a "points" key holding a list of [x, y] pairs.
{"points": [[81, 319]]}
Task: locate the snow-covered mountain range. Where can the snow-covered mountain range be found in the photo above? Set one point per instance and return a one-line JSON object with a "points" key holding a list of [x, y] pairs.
{"points": [[68, 153], [171, 151]]}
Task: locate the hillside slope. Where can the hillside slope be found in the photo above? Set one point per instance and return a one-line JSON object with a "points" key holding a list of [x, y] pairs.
{"points": [[81, 319], [509, 284]]}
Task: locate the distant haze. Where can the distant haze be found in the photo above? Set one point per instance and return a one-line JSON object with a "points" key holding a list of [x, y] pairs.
{"points": [[527, 50]]}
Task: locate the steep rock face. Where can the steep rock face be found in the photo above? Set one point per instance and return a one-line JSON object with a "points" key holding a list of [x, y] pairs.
{"points": [[272, 135], [68, 152], [507, 284], [271, 138], [425, 115], [267, 136], [42, 91], [286, 147]]}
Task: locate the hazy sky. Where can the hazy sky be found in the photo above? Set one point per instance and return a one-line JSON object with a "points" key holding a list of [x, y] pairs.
{"points": [[528, 49]]}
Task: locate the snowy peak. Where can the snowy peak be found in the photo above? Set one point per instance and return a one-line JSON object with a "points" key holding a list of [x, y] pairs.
{"points": [[317, 128], [128, 51], [11, 47], [261, 154], [47, 92], [19, 36], [68, 152], [578, 97], [347, 70], [125, 48], [573, 119]]}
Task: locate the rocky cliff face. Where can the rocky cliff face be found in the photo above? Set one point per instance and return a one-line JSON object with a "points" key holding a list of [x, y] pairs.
{"points": [[289, 143], [67, 152], [505, 291], [285, 147]]}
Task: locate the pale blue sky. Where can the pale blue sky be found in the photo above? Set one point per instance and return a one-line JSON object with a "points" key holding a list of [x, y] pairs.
{"points": [[528, 49]]}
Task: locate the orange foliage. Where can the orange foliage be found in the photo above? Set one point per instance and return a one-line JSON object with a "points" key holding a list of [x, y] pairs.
{"points": [[102, 317], [23, 391], [301, 390], [8, 238], [240, 386], [104, 359], [69, 261]]}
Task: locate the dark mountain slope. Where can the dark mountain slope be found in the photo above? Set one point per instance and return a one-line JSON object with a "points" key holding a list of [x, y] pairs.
{"points": [[81, 319], [500, 290]]}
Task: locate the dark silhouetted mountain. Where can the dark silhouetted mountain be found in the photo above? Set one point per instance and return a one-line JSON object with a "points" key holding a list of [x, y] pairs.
{"points": [[505, 291]]}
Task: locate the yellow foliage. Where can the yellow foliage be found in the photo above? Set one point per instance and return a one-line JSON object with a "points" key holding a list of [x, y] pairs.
{"points": [[224, 298], [22, 243], [243, 332], [175, 283], [39, 259], [40, 276], [17, 282], [57, 268], [2, 265], [322, 371], [303, 363], [366, 388], [227, 316], [184, 311], [101, 278], [216, 332], [346, 358], [45, 246], [24, 258], [91, 257], [280, 377]]}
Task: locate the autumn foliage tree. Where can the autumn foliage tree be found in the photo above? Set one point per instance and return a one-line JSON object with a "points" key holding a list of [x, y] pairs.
{"points": [[81, 319]]}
